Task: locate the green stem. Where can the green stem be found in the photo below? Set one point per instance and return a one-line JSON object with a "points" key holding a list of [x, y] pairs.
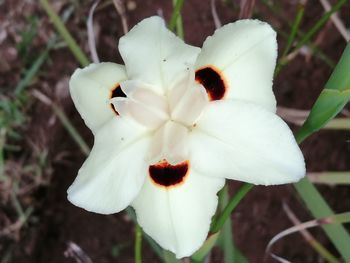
{"points": [[218, 224], [61, 28], [179, 24], [175, 17], [138, 244], [226, 233]]}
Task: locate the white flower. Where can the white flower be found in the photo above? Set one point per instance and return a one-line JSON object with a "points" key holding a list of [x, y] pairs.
{"points": [[177, 120]]}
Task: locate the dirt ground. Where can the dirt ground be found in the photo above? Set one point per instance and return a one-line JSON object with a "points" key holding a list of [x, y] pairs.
{"points": [[106, 239]]}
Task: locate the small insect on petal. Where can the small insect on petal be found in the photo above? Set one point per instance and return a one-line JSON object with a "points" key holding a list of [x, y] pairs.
{"points": [[212, 81], [116, 92], [166, 175]]}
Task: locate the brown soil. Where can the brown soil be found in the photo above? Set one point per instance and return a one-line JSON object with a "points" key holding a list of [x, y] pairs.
{"points": [[256, 220]]}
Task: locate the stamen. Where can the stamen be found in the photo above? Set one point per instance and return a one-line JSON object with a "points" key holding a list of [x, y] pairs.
{"points": [[166, 175], [116, 92], [212, 81]]}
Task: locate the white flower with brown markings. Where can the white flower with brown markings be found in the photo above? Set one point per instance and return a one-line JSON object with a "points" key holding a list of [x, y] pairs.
{"points": [[177, 120]]}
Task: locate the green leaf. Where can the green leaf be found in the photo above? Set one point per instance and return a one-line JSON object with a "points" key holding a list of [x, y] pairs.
{"points": [[331, 100], [327, 106]]}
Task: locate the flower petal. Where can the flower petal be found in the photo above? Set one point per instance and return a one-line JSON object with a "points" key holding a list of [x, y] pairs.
{"points": [[115, 170], [91, 88], [241, 141], [142, 105], [178, 218], [187, 100], [155, 55], [242, 56], [169, 143]]}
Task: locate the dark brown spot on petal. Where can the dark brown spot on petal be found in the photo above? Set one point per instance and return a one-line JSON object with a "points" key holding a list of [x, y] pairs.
{"points": [[116, 92], [212, 81], [167, 175]]}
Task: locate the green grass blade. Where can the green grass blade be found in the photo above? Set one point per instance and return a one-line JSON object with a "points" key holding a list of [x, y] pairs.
{"points": [[291, 37], [319, 24], [315, 50], [319, 208], [179, 24], [175, 16], [61, 28], [323, 252], [295, 27], [34, 69], [331, 100], [240, 258], [31, 72]]}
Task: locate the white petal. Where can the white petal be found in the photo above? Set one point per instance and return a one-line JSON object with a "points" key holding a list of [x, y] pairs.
{"points": [[245, 142], [178, 218], [142, 94], [91, 90], [115, 170], [155, 55], [169, 143], [187, 100], [245, 54], [131, 88], [142, 105]]}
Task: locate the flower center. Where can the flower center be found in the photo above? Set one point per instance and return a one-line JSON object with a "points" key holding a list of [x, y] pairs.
{"points": [[169, 116]]}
